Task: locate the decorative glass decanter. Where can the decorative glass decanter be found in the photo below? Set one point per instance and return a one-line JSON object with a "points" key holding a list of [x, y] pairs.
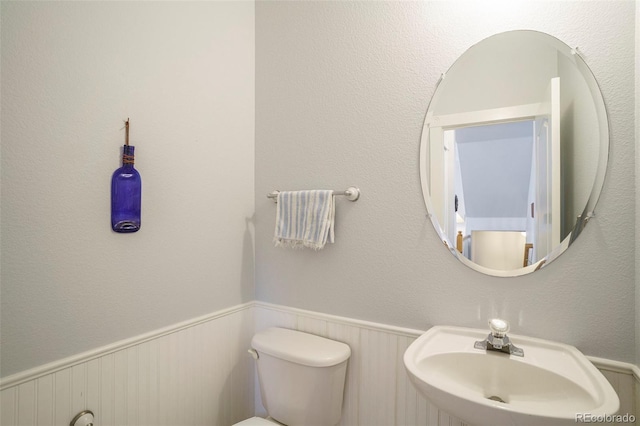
{"points": [[126, 192]]}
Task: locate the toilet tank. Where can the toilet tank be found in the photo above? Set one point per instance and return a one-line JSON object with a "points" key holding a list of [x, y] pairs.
{"points": [[301, 376]]}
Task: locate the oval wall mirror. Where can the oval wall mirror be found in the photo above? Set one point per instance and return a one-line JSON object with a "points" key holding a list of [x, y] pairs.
{"points": [[513, 153]]}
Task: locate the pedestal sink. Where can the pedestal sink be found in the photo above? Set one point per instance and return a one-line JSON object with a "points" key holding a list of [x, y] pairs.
{"points": [[552, 384]]}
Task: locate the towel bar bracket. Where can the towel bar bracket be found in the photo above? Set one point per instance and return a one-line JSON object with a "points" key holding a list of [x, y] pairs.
{"points": [[352, 193]]}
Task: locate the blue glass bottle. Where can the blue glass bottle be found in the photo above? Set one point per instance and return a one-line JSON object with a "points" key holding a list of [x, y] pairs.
{"points": [[126, 194]]}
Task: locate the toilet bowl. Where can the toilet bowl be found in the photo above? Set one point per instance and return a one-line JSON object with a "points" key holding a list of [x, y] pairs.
{"points": [[301, 378]]}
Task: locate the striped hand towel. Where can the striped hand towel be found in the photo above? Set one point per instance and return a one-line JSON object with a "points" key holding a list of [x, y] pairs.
{"points": [[304, 219]]}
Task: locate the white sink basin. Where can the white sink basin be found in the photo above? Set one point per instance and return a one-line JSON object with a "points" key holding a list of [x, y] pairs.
{"points": [[550, 385]]}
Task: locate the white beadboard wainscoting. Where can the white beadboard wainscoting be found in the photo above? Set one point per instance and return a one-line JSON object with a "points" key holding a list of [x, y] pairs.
{"points": [[194, 373], [199, 373]]}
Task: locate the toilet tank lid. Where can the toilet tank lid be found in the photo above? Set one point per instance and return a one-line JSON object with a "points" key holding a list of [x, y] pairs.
{"points": [[299, 347]]}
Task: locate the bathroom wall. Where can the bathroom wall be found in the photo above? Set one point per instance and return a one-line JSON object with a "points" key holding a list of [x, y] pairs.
{"points": [[72, 72], [341, 92], [637, 109]]}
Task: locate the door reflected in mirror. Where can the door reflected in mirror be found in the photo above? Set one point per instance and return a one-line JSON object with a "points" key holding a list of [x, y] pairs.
{"points": [[513, 153]]}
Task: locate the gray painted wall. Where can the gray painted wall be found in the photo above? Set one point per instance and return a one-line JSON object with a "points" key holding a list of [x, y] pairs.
{"points": [[341, 92], [637, 233], [342, 89], [183, 72]]}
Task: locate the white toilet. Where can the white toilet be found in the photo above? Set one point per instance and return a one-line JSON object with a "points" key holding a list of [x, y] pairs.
{"points": [[301, 377]]}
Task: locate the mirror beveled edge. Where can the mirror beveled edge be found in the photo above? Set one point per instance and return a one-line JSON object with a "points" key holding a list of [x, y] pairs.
{"points": [[603, 158]]}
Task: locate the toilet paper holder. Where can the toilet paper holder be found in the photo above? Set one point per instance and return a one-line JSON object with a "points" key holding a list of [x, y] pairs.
{"points": [[83, 418]]}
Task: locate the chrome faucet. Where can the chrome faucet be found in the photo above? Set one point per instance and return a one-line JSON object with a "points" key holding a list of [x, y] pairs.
{"points": [[498, 340]]}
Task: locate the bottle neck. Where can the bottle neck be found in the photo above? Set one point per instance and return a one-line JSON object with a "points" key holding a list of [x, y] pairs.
{"points": [[127, 156]]}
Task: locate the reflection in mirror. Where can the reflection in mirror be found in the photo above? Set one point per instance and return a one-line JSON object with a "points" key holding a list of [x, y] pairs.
{"points": [[513, 153]]}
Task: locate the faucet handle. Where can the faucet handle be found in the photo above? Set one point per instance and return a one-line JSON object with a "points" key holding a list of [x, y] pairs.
{"points": [[498, 327]]}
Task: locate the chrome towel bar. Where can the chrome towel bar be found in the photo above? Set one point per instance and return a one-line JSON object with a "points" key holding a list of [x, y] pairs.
{"points": [[352, 193]]}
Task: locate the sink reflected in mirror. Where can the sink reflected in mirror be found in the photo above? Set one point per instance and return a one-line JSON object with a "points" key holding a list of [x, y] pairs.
{"points": [[551, 384]]}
